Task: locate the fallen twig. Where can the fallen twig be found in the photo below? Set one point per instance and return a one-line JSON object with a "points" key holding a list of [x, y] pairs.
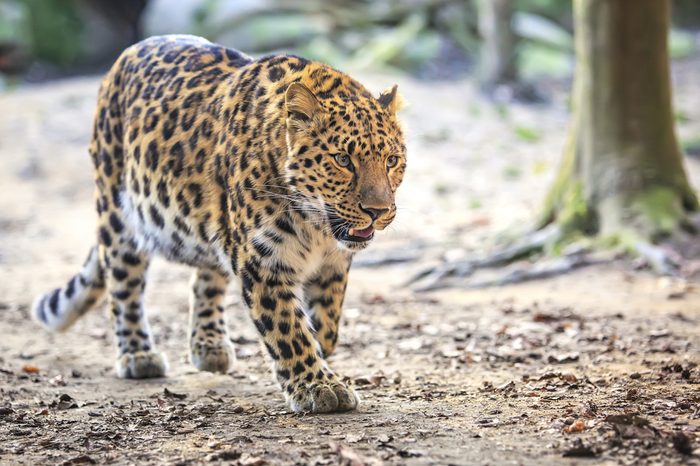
{"points": [[390, 258], [437, 276], [658, 258], [539, 271]]}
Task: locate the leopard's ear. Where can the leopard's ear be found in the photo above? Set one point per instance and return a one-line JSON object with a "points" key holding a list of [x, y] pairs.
{"points": [[302, 105], [391, 100]]}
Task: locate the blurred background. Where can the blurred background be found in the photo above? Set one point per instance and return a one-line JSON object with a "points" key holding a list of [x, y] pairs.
{"points": [[429, 39]]}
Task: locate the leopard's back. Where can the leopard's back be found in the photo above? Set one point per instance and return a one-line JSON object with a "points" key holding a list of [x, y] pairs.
{"points": [[160, 111]]}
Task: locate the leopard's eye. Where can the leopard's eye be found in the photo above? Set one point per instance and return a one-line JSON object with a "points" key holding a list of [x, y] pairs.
{"points": [[342, 159], [391, 161]]}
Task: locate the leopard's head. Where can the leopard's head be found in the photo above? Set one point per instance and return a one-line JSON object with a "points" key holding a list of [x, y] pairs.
{"points": [[346, 157]]}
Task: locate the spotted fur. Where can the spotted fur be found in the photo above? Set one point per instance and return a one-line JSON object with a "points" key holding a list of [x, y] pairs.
{"points": [[275, 170]]}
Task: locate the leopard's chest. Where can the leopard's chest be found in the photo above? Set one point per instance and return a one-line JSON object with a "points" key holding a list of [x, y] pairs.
{"points": [[301, 254]]}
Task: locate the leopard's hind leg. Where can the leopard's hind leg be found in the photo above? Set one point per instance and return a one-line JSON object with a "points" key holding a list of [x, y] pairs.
{"points": [[210, 347], [125, 274], [124, 261]]}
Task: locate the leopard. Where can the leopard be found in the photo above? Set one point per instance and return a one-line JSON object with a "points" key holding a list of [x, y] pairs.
{"points": [[273, 171]]}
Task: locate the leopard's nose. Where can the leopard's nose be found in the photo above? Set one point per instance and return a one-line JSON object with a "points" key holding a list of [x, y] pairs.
{"points": [[374, 212]]}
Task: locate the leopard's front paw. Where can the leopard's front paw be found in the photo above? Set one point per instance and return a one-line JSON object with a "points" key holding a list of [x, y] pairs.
{"points": [[213, 358], [141, 365], [322, 397]]}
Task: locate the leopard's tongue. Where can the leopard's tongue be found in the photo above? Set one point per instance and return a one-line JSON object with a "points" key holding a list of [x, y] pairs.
{"points": [[364, 233]]}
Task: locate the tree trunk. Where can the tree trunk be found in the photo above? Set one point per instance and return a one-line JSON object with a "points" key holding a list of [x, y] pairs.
{"points": [[497, 57], [622, 172]]}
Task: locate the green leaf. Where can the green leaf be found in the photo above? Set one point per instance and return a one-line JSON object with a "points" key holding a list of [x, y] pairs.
{"points": [[527, 134]]}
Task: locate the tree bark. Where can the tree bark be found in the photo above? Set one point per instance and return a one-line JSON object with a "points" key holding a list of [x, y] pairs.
{"points": [[497, 56], [622, 170]]}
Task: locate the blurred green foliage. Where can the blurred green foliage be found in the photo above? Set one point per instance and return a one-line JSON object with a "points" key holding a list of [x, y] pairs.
{"points": [[50, 29], [546, 45], [686, 13], [681, 43], [557, 10], [56, 30], [527, 134], [13, 15], [429, 37]]}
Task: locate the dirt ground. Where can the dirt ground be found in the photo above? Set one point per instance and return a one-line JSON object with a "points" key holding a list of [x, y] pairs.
{"points": [[599, 366]]}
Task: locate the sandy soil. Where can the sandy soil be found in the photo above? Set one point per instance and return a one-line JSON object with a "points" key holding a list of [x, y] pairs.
{"points": [[599, 366]]}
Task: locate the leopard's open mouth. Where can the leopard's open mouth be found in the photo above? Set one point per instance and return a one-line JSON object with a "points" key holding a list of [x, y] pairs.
{"points": [[342, 231], [364, 234]]}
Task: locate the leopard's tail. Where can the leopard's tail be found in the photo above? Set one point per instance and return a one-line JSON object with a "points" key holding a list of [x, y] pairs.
{"points": [[59, 309]]}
